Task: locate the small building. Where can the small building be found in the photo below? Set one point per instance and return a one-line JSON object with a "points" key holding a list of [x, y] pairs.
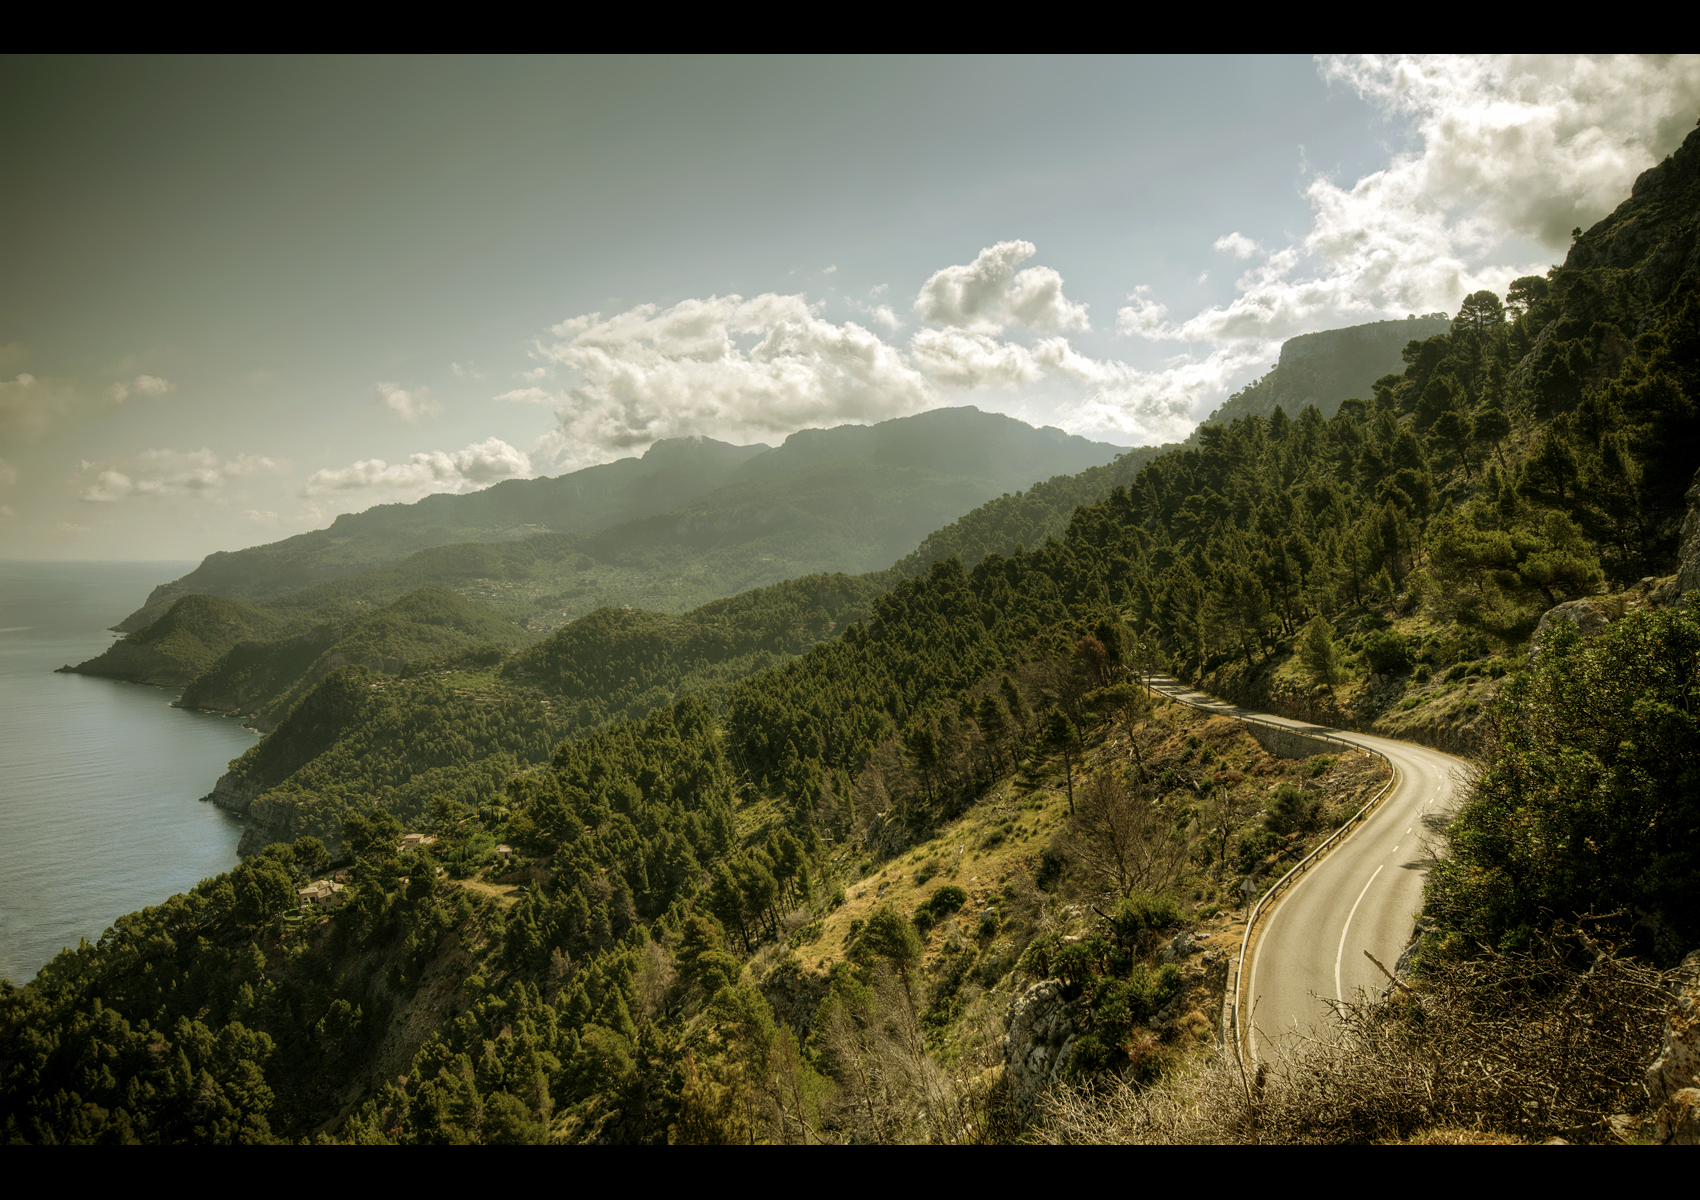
{"points": [[415, 841], [322, 893]]}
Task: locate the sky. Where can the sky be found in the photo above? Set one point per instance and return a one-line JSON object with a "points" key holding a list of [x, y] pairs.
{"points": [[242, 296]]}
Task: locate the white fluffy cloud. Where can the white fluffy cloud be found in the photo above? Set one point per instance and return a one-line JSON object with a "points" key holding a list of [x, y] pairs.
{"points": [[146, 385], [957, 358], [1143, 316], [988, 295], [1237, 244], [408, 403], [8, 473], [1535, 144], [477, 466], [529, 395], [724, 366], [735, 368], [168, 473], [1509, 146], [1137, 408]]}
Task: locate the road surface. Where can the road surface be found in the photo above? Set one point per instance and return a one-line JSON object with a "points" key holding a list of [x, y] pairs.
{"points": [[1364, 895]]}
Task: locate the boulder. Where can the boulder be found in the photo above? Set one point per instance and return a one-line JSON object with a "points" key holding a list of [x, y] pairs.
{"points": [[1038, 1039], [1589, 616], [1678, 1065], [1678, 1122]]}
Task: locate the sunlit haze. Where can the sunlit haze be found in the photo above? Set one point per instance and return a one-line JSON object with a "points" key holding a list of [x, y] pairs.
{"points": [[243, 296]]}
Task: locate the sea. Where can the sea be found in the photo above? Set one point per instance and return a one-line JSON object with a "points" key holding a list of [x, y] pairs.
{"points": [[99, 781]]}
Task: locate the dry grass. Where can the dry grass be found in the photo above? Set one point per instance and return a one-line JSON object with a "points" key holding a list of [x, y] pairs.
{"points": [[504, 894], [1502, 1050]]}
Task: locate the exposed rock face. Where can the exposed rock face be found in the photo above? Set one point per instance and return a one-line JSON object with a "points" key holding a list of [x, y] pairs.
{"points": [[1329, 366], [1590, 616], [233, 794], [1653, 232], [1039, 1037], [1593, 613], [1326, 367], [1687, 576], [1673, 1081]]}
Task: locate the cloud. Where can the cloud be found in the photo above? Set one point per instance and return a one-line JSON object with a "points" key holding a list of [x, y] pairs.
{"points": [[8, 473], [1144, 317], [169, 473], [972, 360], [880, 314], [1237, 244], [1510, 146], [1135, 407], [1538, 144], [409, 405], [146, 385], [988, 295], [107, 487], [465, 370], [832, 270], [478, 465], [736, 368], [28, 406], [726, 367], [530, 395], [6, 511]]}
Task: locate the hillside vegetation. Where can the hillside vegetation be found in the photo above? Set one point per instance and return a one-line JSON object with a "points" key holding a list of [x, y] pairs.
{"points": [[726, 518], [948, 858]]}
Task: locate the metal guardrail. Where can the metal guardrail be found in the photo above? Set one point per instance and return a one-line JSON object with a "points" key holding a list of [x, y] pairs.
{"points": [[1230, 1024]]}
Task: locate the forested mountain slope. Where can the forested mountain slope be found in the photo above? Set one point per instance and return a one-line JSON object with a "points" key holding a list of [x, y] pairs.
{"points": [[872, 491], [668, 975], [1327, 367]]}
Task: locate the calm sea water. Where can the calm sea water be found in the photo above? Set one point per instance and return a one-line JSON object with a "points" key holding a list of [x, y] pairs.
{"points": [[99, 781]]}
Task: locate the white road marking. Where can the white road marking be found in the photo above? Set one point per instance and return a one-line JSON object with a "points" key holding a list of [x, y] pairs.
{"points": [[1339, 992]]}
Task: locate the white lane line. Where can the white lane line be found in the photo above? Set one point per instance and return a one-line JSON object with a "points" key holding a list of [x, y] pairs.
{"points": [[1341, 953]]}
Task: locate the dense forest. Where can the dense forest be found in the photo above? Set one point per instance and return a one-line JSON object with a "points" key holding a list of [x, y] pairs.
{"points": [[780, 868]]}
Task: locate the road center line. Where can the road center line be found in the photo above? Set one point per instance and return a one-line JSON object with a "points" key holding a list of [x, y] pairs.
{"points": [[1339, 992]]}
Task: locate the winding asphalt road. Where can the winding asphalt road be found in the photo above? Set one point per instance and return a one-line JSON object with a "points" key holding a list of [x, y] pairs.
{"points": [[1363, 895]]}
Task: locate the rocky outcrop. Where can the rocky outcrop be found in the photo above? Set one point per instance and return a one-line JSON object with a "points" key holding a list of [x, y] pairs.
{"points": [[1673, 1081], [1654, 232], [234, 794], [1039, 1037], [1326, 367], [1589, 616], [1687, 577], [1592, 614]]}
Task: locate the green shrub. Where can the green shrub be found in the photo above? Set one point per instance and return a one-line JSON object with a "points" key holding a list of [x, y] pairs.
{"points": [[1051, 866], [946, 900], [1388, 653], [1291, 810], [1255, 846], [1142, 913]]}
